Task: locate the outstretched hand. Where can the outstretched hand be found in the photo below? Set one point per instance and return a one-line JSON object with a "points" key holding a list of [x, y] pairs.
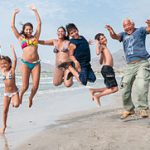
{"points": [[16, 11], [108, 27], [148, 22], [32, 7]]}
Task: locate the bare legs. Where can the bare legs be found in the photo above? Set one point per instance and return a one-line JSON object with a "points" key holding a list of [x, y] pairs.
{"points": [[68, 79], [35, 79], [15, 100], [35, 72], [25, 80], [74, 72], [69, 82], [60, 75], [69, 72], [96, 94], [6, 103]]}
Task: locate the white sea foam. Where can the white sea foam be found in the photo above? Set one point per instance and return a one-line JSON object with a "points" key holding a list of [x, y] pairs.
{"points": [[62, 90]]}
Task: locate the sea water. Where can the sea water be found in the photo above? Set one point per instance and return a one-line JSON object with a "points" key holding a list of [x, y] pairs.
{"points": [[45, 85]]}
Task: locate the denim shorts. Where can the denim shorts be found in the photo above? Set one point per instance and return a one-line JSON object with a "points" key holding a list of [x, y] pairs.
{"points": [[87, 75]]}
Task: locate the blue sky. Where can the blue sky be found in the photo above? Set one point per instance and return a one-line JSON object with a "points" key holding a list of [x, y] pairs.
{"points": [[89, 16]]}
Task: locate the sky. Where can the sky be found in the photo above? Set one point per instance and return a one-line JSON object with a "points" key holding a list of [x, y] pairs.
{"points": [[90, 16]]}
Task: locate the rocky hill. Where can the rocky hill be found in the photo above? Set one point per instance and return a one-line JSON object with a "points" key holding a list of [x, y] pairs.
{"points": [[119, 62]]}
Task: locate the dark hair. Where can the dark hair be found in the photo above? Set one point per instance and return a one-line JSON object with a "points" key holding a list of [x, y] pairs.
{"points": [[97, 36], [24, 26], [7, 59], [61, 27], [70, 27], [1, 56]]}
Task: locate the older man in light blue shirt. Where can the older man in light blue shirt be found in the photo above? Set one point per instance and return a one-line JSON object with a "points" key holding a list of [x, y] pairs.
{"points": [[138, 66]]}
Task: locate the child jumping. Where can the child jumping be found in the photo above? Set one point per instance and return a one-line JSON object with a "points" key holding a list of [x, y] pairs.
{"points": [[79, 53], [11, 92], [107, 70]]}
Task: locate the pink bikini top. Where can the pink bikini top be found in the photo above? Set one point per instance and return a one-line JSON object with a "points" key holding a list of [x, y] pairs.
{"points": [[31, 42]]}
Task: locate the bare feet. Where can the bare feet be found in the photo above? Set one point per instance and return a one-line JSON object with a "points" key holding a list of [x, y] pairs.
{"points": [[97, 100], [30, 102], [2, 130], [92, 93]]}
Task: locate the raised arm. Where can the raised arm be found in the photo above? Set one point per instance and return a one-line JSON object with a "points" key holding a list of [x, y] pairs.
{"points": [[101, 58], [14, 63], [97, 48], [38, 29], [148, 25], [14, 29], [112, 33], [71, 49], [47, 42], [99, 51]]}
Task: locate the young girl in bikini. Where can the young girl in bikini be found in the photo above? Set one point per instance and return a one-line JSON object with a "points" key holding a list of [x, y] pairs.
{"points": [[11, 93]]}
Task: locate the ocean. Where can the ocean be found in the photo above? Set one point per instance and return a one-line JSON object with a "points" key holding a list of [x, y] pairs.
{"points": [[50, 103], [46, 85]]}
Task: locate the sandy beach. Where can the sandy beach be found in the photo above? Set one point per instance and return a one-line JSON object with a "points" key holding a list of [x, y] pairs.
{"points": [[93, 130], [70, 120]]}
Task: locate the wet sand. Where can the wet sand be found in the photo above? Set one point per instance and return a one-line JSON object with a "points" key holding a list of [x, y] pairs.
{"points": [[82, 126], [24, 123], [93, 130]]}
